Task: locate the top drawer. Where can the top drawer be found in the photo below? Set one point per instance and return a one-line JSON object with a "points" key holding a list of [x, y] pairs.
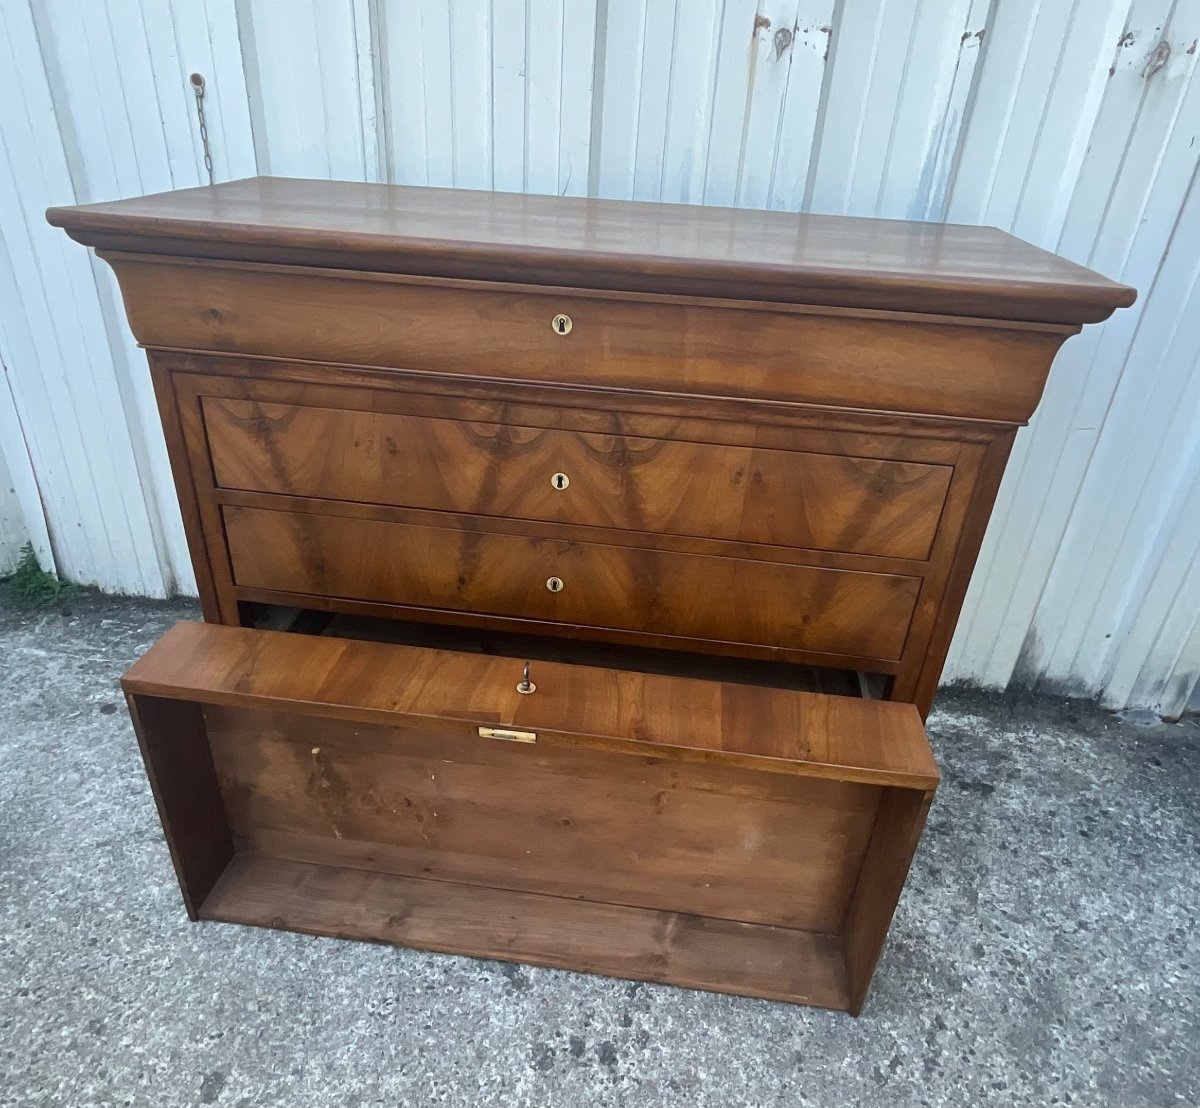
{"points": [[887, 361], [790, 498]]}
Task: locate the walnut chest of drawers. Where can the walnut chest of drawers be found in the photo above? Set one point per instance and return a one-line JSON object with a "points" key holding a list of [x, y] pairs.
{"points": [[754, 447]]}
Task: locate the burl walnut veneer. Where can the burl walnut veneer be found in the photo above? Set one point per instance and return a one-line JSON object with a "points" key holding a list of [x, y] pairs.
{"points": [[754, 450]]}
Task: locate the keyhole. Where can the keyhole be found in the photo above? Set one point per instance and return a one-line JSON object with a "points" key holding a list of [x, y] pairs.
{"points": [[560, 480], [554, 584], [561, 324]]}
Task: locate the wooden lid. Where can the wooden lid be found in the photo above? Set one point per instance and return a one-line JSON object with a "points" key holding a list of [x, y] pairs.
{"points": [[777, 730], [729, 253]]}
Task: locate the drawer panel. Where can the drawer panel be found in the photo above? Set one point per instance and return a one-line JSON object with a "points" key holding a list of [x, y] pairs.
{"points": [[862, 615], [789, 498], [990, 370]]}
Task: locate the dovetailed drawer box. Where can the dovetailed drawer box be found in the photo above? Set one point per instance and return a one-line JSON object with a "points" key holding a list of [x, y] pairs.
{"points": [[736, 466], [719, 836]]}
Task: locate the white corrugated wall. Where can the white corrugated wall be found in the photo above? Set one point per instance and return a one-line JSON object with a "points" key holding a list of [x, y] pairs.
{"points": [[1074, 123]]}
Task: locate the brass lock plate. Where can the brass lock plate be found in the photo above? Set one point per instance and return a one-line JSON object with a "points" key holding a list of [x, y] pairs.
{"points": [[561, 324], [507, 734], [560, 481], [554, 584]]}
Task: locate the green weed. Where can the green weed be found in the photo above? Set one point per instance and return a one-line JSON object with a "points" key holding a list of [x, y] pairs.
{"points": [[30, 586]]}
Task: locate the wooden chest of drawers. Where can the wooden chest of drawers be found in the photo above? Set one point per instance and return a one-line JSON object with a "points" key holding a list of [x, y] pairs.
{"points": [[636, 436]]}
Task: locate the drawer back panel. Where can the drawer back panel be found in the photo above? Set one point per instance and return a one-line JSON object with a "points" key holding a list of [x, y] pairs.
{"points": [[789, 498], [429, 801]]}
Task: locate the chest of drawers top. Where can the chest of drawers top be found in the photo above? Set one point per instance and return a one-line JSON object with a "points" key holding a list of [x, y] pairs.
{"points": [[841, 312], [776, 257]]}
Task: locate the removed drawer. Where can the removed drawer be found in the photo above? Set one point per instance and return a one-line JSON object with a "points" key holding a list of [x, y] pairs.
{"points": [[689, 596], [709, 834], [787, 498]]}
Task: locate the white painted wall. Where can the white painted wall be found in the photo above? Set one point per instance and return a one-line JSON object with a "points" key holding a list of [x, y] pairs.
{"points": [[1071, 122]]}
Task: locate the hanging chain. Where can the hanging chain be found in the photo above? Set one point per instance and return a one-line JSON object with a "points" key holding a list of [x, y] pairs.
{"points": [[198, 87]]}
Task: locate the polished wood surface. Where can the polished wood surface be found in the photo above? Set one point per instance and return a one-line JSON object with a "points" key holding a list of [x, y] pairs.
{"points": [[472, 639], [754, 435], [823, 501], [899, 823], [173, 740], [769, 729], [686, 347], [367, 790], [688, 597], [923, 267], [757, 426]]}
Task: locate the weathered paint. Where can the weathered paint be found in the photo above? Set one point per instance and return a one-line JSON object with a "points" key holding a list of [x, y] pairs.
{"points": [[1072, 122]]}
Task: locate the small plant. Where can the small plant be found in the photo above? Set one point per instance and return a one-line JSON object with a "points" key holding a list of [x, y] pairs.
{"points": [[30, 586]]}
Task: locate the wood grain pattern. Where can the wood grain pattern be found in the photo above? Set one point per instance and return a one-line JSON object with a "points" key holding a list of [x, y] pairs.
{"points": [[770, 729], [898, 827], [748, 424], [685, 596], [677, 948], [922, 364], [738, 838], [783, 436], [173, 739], [753, 425], [426, 800], [576, 652], [794, 425], [608, 244], [826, 501]]}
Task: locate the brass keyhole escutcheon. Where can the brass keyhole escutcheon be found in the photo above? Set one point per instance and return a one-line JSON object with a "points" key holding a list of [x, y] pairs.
{"points": [[562, 324], [560, 481], [554, 584]]}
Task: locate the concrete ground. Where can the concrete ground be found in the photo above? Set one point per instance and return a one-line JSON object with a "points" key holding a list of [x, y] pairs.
{"points": [[1045, 951]]}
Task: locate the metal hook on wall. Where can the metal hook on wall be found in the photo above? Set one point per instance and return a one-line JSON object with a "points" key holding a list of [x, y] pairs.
{"points": [[197, 80]]}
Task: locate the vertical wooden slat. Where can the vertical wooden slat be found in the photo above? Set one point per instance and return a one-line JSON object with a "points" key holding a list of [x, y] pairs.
{"points": [[577, 62], [509, 138], [305, 80], [14, 533], [692, 75], [1039, 605], [61, 372], [617, 142], [470, 74]]}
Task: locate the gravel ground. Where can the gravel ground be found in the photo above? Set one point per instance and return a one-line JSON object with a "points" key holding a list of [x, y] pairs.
{"points": [[1045, 950]]}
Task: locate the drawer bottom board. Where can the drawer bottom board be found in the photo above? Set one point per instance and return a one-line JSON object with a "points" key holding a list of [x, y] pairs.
{"points": [[775, 963]]}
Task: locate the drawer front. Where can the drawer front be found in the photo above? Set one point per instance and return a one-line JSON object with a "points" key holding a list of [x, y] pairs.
{"points": [[860, 360], [861, 615], [789, 498]]}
